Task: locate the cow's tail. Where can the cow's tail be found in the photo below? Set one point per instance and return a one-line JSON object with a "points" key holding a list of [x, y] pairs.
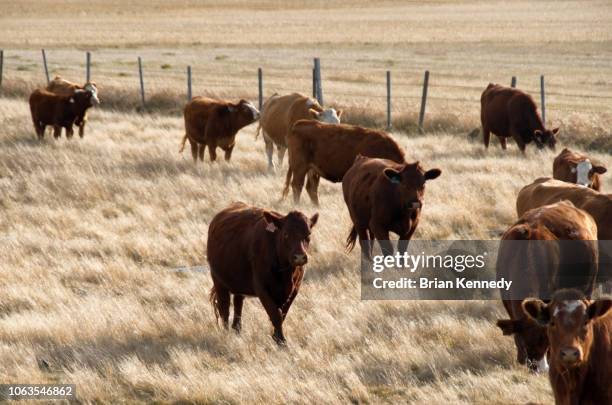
{"points": [[287, 182], [213, 301], [182, 148], [351, 239]]}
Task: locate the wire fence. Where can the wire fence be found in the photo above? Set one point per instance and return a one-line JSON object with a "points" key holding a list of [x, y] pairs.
{"points": [[391, 89]]}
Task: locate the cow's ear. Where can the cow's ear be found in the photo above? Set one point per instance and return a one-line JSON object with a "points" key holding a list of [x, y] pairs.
{"points": [[273, 221], [599, 169], [339, 113], [599, 308], [313, 113], [555, 130], [432, 174], [314, 219], [536, 310], [509, 326], [392, 175], [71, 100]]}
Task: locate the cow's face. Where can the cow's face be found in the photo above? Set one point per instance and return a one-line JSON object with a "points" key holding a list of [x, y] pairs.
{"points": [[546, 138], [84, 98], [292, 235], [91, 86], [410, 182], [569, 323], [585, 171], [328, 115], [531, 342], [245, 112]]}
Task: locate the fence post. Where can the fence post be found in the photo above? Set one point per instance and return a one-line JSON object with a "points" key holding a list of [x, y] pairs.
{"points": [[388, 99], [88, 70], [44, 55], [513, 82], [319, 86], [423, 100], [1, 65], [142, 90], [260, 86], [189, 94], [314, 83], [543, 99]]}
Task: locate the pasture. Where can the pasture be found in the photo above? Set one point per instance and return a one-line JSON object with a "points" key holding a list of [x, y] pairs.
{"points": [[92, 231]]}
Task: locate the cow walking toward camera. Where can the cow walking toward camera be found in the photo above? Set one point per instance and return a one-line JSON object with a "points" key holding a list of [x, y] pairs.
{"points": [[509, 112], [580, 334], [383, 196], [255, 252], [324, 150], [278, 115], [63, 87], [577, 168], [215, 123], [49, 109], [548, 248]]}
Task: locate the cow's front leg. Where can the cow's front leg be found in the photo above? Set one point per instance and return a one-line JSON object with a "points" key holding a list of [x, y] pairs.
{"points": [[82, 129], [274, 312], [57, 131], [212, 151], [382, 235], [69, 131], [228, 152]]}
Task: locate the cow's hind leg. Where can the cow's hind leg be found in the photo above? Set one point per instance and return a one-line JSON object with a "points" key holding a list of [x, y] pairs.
{"points": [[486, 135], [69, 132], [223, 304], [280, 151], [228, 153], [212, 152], [269, 151], [312, 186], [297, 183], [194, 150], [40, 129], [201, 150], [365, 244], [504, 142], [82, 129], [382, 235], [237, 321]]}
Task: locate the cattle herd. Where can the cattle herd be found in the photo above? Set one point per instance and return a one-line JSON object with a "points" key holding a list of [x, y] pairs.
{"points": [[384, 194]]}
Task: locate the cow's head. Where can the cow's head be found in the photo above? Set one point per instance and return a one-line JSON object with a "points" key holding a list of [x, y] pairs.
{"points": [[244, 112], [83, 99], [91, 86], [530, 339], [292, 235], [328, 115], [409, 179], [586, 171], [547, 137], [568, 319]]}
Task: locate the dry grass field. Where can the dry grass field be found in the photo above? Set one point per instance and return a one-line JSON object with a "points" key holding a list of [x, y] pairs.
{"points": [[92, 231]]}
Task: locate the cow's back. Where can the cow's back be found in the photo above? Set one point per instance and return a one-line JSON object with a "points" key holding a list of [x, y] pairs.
{"points": [[281, 112], [503, 108], [331, 149]]}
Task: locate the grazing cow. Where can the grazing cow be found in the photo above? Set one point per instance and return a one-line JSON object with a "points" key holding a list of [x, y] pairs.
{"points": [[329, 150], [278, 115], [383, 196], [535, 254], [509, 112], [577, 168], [63, 87], [580, 335], [59, 111], [215, 123], [254, 252]]}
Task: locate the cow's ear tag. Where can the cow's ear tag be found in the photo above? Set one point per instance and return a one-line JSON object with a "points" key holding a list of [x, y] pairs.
{"points": [[72, 99], [573, 170], [271, 227]]}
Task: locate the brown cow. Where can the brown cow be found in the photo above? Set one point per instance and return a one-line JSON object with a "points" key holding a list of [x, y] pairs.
{"points": [[536, 255], [59, 111], [509, 112], [254, 252], [329, 150], [63, 87], [278, 115], [215, 123], [383, 196], [578, 169], [580, 335]]}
